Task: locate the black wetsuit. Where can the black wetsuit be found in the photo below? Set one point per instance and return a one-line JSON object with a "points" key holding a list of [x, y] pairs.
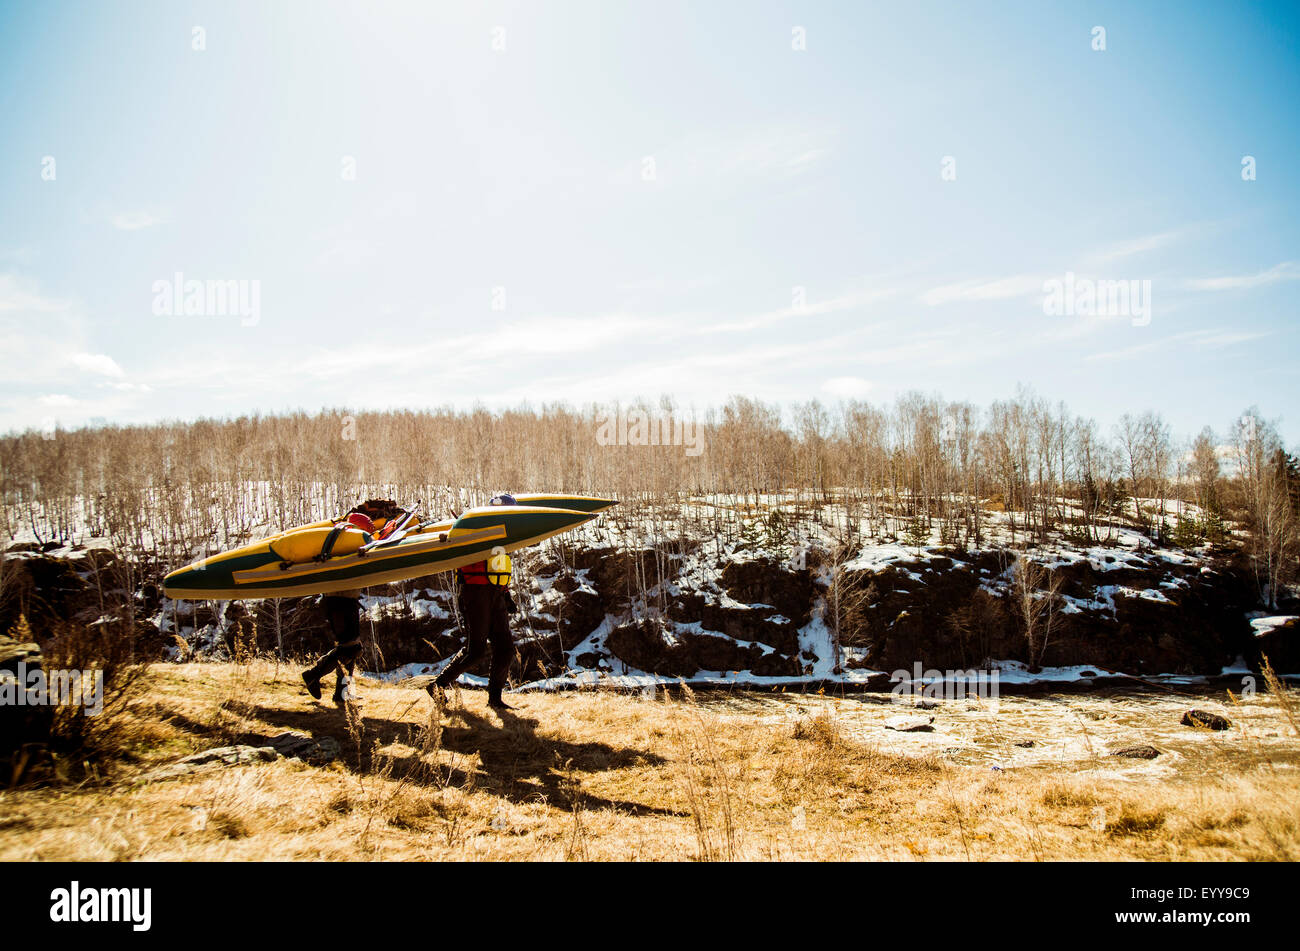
{"points": [[486, 612], [343, 613]]}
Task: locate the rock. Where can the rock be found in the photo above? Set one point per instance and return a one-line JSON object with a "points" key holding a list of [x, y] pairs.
{"points": [[578, 615], [1025, 744], [1176, 620], [22, 725], [316, 750], [657, 648], [620, 574], [1141, 751], [910, 724], [1279, 643], [742, 622], [230, 756], [1205, 721], [925, 703], [50, 590], [769, 581], [211, 759], [25, 727]]}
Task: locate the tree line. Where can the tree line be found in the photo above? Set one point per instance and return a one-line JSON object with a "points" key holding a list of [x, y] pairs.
{"points": [[174, 490]]}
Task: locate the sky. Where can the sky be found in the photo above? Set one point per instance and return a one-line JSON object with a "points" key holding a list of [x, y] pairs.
{"points": [[428, 205]]}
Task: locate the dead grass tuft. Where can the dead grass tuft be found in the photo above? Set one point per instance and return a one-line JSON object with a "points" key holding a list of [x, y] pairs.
{"points": [[1135, 820], [1065, 795]]}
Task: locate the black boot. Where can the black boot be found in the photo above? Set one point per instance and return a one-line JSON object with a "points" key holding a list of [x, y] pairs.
{"points": [[495, 701], [312, 681]]}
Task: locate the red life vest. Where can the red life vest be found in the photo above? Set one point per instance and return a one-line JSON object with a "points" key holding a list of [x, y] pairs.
{"points": [[495, 571], [473, 574]]}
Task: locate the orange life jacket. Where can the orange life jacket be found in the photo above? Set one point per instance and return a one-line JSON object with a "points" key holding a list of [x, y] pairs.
{"points": [[479, 572]]}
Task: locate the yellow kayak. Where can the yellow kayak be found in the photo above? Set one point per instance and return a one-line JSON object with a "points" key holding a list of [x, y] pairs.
{"points": [[291, 564]]}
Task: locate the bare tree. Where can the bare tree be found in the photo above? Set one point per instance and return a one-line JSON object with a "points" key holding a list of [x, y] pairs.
{"points": [[1036, 594], [1270, 506]]}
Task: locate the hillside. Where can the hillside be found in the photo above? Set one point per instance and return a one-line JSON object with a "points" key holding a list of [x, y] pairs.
{"points": [[668, 593]]}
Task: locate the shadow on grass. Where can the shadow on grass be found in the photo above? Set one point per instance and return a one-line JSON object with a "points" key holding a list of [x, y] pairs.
{"points": [[516, 762]]}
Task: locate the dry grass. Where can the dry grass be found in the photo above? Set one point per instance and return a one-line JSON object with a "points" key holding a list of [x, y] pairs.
{"points": [[1283, 696], [604, 776]]}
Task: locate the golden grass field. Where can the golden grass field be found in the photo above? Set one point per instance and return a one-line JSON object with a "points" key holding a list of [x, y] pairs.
{"points": [[601, 775]]}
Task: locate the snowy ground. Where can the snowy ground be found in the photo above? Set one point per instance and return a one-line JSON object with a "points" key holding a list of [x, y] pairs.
{"points": [[1047, 730]]}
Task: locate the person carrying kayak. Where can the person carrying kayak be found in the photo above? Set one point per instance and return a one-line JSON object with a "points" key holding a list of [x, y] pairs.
{"points": [[342, 610], [485, 608]]}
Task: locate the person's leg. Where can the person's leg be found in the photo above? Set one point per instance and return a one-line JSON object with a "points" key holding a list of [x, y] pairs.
{"points": [[347, 628], [503, 650], [343, 616], [474, 611]]}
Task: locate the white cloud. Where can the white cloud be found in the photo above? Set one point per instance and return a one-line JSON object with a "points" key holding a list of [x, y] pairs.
{"points": [[136, 220], [847, 387], [798, 162], [1200, 339], [18, 295], [1286, 271], [1226, 338], [569, 334], [1139, 245], [57, 400], [99, 363], [830, 305], [495, 347], [38, 332], [1002, 288]]}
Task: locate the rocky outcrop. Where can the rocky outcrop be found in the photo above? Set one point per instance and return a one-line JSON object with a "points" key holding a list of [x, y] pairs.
{"points": [[207, 759], [621, 575], [81, 588], [211, 759], [292, 744], [760, 623], [653, 647], [316, 750], [766, 581], [1145, 616], [23, 725], [1281, 642], [50, 590], [692, 609]]}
